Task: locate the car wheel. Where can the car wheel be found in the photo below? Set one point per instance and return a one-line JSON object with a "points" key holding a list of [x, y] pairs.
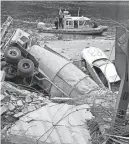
{"points": [[25, 67], [12, 55]]}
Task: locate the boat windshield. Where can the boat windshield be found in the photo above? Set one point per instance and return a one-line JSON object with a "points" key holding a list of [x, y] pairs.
{"points": [[81, 23], [87, 22]]}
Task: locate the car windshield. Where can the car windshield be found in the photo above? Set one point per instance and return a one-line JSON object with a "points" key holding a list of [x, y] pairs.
{"points": [[100, 62]]}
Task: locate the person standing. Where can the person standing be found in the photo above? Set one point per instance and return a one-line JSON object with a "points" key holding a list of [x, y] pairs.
{"points": [[61, 16], [56, 23]]}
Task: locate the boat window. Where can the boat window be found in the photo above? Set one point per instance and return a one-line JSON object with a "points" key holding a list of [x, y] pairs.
{"points": [[81, 23], [67, 22], [75, 24], [87, 23], [70, 22]]}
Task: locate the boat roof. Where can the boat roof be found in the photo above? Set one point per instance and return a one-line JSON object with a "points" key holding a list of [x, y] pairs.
{"points": [[76, 18]]}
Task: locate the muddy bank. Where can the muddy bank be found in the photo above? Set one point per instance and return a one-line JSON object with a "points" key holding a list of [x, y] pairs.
{"points": [[73, 48]]}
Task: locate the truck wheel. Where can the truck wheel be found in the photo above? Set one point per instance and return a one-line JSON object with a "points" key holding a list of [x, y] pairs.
{"points": [[12, 55], [25, 67]]}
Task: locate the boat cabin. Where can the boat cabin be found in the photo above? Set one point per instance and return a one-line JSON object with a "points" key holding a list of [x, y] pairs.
{"points": [[75, 22]]}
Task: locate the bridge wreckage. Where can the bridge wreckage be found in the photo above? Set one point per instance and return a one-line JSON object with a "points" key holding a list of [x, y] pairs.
{"points": [[45, 98]]}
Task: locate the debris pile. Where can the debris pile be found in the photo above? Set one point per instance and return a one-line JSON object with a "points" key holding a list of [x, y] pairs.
{"points": [[21, 106], [17, 102], [53, 123]]}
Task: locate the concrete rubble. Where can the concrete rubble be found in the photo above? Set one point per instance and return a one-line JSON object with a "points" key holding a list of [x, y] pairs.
{"points": [[2, 76], [17, 102], [67, 121]]}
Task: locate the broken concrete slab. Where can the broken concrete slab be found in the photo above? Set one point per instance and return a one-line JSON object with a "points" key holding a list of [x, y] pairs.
{"points": [[11, 106], [70, 118], [61, 99], [38, 106], [41, 98], [19, 103], [13, 98], [19, 114], [28, 99], [35, 99], [3, 109], [31, 107], [25, 110], [2, 97], [2, 76], [36, 102]]}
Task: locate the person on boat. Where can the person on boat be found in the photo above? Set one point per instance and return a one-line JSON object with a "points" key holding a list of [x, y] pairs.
{"points": [[56, 23], [75, 24], [61, 16], [94, 24]]}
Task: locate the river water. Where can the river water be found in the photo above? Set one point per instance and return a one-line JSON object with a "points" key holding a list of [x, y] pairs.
{"points": [[46, 11]]}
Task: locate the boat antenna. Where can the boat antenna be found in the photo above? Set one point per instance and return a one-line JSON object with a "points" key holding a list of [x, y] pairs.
{"points": [[78, 11]]}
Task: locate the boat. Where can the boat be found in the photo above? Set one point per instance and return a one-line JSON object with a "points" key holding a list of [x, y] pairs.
{"points": [[74, 25]]}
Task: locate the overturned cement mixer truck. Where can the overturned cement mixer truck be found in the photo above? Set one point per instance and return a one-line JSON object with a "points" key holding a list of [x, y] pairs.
{"points": [[54, 74]]}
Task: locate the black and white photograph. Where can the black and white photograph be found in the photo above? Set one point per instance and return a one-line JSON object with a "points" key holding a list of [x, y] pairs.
{"points": [[64, 72]]}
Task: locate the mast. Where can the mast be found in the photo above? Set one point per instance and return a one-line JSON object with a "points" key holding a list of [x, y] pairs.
{"points": [[78, 11], [60, 11]]}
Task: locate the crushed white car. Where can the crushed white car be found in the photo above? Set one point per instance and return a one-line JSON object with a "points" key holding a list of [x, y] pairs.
{"points": [[101, 69]]}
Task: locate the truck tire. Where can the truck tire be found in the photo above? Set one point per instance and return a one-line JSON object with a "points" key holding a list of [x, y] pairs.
{"points": [[12, 55], [25, 68]]}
